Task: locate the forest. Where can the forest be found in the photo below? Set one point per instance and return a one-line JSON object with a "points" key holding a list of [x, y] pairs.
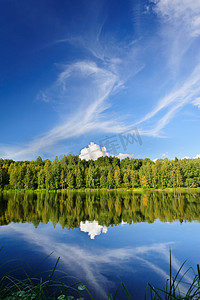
{"points": [[106, 173]]}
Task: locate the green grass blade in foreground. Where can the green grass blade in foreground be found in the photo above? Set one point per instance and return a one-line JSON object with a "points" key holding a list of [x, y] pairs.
{"points": [[115, 295], [155, 292], [124, 288], [127, 293], [198, 270], [170, 271], [174, 292], [51, 275], [41, 263]]}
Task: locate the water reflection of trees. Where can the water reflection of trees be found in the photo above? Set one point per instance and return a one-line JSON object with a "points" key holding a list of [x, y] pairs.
{"points": [[108, 208]]}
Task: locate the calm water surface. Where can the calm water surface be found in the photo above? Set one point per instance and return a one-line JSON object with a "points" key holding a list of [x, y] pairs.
{"points": [[102, 238]]}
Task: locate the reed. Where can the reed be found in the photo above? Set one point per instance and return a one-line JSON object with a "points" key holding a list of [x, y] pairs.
{"points": [[174, 286]]}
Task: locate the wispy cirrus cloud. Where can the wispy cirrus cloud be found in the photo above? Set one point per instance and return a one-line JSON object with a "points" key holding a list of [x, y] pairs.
{"points": [[174, 101], [180, 28], [196, 102], [183, 13], [81, 95]]}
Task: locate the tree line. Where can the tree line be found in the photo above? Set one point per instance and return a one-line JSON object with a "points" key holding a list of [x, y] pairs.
{"points": [[106, 172]]}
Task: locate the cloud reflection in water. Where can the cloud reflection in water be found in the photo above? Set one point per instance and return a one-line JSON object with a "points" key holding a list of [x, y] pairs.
{"points": [[89, 261]]}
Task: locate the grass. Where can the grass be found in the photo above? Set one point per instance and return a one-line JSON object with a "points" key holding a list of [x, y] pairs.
{"points": [[176, 284], [40, 287], [46, 287], [135, 190]]}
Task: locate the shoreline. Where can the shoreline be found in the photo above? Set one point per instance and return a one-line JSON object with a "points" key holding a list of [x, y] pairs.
{"points": [[135, 190]]}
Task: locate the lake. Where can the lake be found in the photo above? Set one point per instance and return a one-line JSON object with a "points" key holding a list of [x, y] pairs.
{"points": [[102, 238]]}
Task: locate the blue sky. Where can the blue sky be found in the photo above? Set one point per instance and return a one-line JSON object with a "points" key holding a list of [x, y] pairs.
{"points": [[75, 72]]}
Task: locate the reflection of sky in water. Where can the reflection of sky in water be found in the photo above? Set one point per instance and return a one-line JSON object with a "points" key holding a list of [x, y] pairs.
{"points": [[135, 253]]}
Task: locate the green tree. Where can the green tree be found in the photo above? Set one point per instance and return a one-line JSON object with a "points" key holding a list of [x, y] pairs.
{"points": [[16, 172], [179, 180], [103, 181], [134, 179], [110, 180], [62, 179], [41, 179], [48, 174], [56, 169], [117, 177], [91, 177], [39, 161], [79, 179], [126, 180], [1, 178], [70, 179], [13, 176], [30, 177]]}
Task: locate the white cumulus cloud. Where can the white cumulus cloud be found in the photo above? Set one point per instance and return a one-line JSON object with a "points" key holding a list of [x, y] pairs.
{"points": [[187, 157], [93, 228], [124, 155], [94, 151]]}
